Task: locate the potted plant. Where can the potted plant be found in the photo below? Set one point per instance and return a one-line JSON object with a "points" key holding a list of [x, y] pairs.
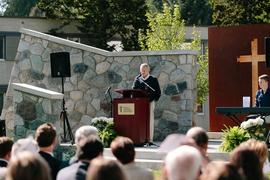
{"points": [[233, 136]]}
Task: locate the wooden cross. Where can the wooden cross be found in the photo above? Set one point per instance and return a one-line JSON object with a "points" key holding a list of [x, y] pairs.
{"points": [[254, 58]]}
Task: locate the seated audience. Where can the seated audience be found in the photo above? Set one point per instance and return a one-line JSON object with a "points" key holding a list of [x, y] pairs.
{"points": [[123, 149], [259, 147], [3, 173], [28, 166], [182, 163], [25, 144], [84, 132], [220, 170], [174, 141], [201, 139], [46, 139], [104, 169], [81, 133], [5, 150], [247, 161], [88, 148]]}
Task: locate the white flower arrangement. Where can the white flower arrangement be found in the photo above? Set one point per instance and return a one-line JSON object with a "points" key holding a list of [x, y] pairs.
{"points": [[252, 122], [254, 128], [102, 118]]}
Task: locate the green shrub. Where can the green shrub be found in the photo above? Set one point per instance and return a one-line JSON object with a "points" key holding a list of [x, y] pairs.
{"points": [[232, 137]]}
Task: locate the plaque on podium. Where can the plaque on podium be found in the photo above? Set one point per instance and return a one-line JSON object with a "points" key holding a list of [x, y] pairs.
{"points": [[131, 115]]}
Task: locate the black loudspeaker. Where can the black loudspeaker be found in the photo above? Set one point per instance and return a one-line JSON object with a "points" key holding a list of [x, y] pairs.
{"points": [[60, 64], [267, 51]]}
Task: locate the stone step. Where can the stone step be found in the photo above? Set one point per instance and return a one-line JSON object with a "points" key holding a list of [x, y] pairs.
{"points": [[214, 135]]}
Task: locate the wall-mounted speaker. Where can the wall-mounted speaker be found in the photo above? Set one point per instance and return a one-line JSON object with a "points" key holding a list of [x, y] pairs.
{"points": [[60, 64], [267, 51]]}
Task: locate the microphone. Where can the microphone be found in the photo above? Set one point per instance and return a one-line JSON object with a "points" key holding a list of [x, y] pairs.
{"points": [[140, 79], [109, 88]]}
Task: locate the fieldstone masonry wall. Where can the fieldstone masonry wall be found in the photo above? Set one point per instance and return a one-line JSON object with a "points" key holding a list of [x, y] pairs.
{"points": [[94, 70], [32, 107]]}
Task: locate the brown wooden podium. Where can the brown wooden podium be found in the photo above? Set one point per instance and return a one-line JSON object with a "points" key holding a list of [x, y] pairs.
{"points": [[131, 115]]}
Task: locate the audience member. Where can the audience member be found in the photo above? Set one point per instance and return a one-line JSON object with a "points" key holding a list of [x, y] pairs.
{"points": [[25, 144], [182, 163], [259, 147], [201, 139], [123, 149], [174, 141], [5, 150], [247, 161], [220, 170], [28, 166], [81, 133], [46, 139], [3, 173], [104, 169], [85, 131], [88, 148]]}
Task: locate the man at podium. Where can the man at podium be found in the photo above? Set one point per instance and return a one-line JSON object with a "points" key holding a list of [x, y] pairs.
{"points": [[148, 83], [263, 94]]}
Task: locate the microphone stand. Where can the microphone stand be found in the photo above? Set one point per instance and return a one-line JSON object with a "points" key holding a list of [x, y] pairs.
{"points": [[110, 95], [141, 80], [108, 91]]}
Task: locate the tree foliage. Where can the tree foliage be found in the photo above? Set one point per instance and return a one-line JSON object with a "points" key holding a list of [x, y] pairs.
{"points": [[102, 19], [194, 12], [235, 12], [19, 8], [167, 32]]}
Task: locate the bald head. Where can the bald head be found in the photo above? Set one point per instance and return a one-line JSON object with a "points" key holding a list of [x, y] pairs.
{"points": [[199, 135]]}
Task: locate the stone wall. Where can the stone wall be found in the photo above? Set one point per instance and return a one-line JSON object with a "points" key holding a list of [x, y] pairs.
{"points": [[32, 107], [94, 70]]}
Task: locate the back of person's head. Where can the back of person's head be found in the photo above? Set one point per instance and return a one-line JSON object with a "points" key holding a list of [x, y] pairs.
{"points": [[25, 144], [259, 147], [173, 141], [123, 149], [220, 170], [85, 131], [104, 169], [199, 135], [5, 146], [247, 161], [28, 166], [89, 148], [182, 163], [45, 135]]}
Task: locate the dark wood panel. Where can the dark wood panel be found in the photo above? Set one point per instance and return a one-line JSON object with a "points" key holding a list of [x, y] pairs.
{"points": [[229, 81]]}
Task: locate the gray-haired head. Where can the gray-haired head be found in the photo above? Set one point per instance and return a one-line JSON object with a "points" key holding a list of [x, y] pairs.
{"points": [[183, 163], [85, 131], [25, 144]]}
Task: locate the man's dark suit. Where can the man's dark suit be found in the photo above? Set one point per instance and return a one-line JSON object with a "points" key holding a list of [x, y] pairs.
{"points": [[3, 163], [76, 171], [54, 163]]}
